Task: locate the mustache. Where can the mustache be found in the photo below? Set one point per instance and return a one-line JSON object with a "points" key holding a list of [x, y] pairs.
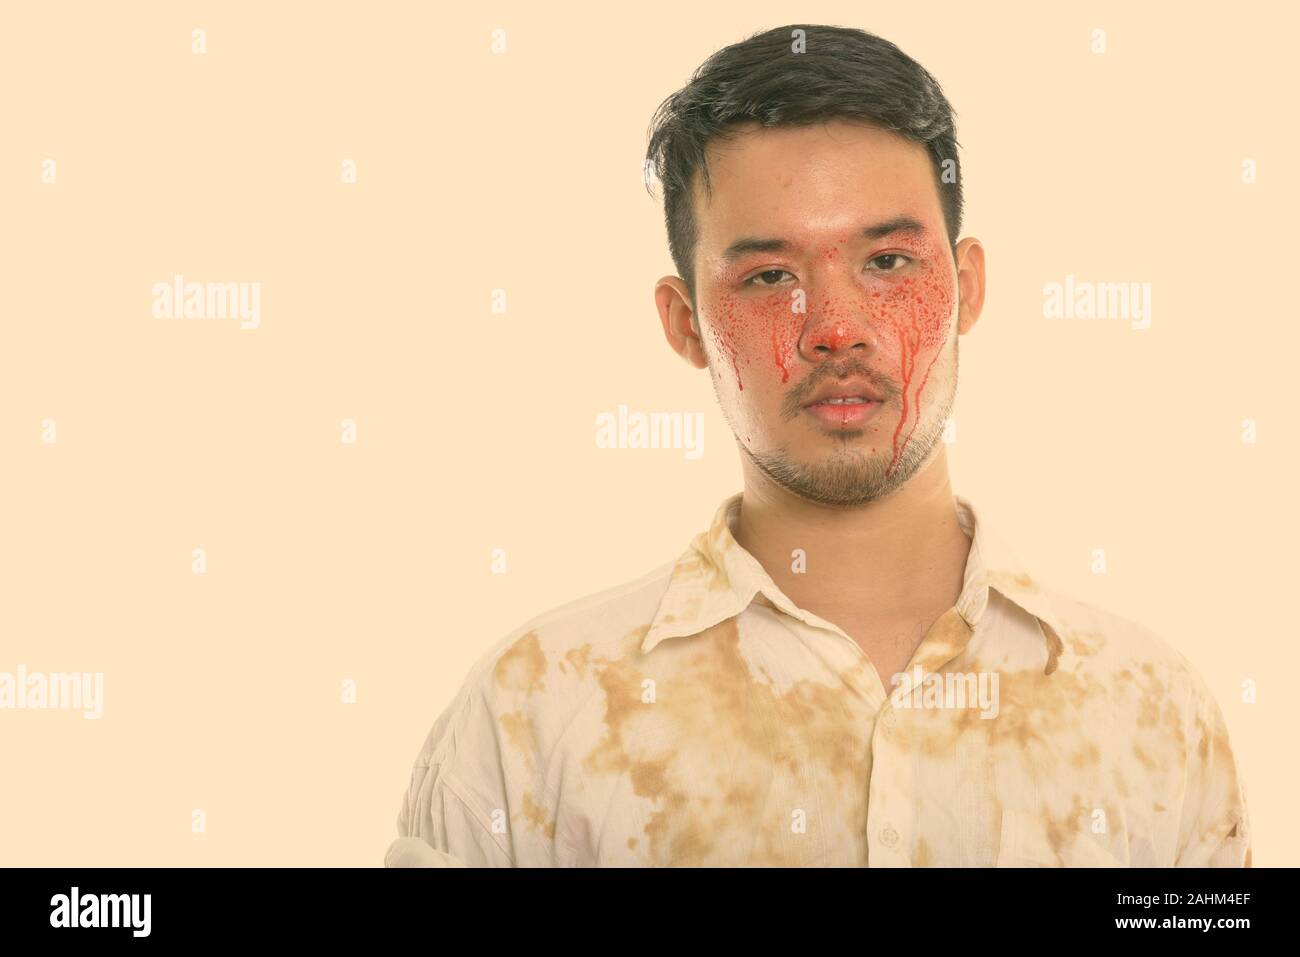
{"points": [[798, 397]]}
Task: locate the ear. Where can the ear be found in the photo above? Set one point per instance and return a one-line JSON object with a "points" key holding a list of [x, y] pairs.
{"points": [[681, 325], [970, 283]]}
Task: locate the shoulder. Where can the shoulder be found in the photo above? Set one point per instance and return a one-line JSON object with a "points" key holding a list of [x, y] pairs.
{"points": [[1144, 704], [1110, 645], [533, 677], [603, 625]]}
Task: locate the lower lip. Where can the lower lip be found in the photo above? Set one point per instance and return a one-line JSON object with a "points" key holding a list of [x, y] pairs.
{"points": [[844, 414]]}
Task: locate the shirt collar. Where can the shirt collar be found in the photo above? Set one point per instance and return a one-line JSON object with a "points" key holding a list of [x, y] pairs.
{"points": [[716, 579]]}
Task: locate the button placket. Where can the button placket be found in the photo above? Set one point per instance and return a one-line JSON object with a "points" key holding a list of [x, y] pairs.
{"points": [[890, 811]]}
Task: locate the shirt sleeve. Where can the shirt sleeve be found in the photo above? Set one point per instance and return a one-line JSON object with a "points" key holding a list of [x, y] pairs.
{"points": [[1214, 830], [441, 811]]}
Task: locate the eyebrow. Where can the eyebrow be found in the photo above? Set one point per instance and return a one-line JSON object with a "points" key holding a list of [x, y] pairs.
{"points": [[757, 244]]}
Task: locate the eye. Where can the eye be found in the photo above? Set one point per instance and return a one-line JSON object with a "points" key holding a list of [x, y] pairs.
{"points": [[891, 256], [760, 279], [751, 281]]}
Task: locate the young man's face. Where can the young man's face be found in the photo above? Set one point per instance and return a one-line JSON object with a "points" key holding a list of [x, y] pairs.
{"points": [[833, 309]]}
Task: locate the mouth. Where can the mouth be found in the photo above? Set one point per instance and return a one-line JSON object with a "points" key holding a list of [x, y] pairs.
{"points": [[844, 411]]}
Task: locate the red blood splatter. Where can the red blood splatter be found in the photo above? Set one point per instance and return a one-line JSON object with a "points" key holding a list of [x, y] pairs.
{"points": [[909, 341]]}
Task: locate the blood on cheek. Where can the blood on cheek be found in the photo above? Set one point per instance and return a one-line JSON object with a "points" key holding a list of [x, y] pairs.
{"points": [[757, 330], [915, 315]]}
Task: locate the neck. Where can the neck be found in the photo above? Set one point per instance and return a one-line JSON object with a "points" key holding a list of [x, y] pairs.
{"points": [[896, 559]]}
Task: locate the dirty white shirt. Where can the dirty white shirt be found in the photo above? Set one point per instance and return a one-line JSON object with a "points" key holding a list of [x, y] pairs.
{"points": [[696, 716]]}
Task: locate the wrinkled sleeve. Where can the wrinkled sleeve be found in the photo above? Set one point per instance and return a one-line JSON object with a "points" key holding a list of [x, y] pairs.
{"points": [[440, 823], [1214, 829]]}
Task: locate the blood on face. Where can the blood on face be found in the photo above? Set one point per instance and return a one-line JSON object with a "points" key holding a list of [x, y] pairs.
{"points": [[768, 325]]}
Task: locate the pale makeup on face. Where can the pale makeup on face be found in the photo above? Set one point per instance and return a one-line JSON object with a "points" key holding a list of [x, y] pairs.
{"points": [[894, 294]]}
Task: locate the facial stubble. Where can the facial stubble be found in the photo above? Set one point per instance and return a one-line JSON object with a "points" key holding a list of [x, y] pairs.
{"points": [[851, 477]]}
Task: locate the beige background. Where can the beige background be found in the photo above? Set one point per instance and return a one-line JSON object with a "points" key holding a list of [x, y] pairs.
{"points": [[522, 171]]}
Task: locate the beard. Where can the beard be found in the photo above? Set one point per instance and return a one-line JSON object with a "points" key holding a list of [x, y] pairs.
{"points": [[851, 476]]}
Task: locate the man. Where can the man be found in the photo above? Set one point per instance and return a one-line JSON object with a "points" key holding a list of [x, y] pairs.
{"points": [[848, 666]]}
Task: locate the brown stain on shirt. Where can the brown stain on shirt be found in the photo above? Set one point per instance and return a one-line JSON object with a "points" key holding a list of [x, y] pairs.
{"points": [[535, 815], [520, 735], [520, 673], [1019, 581], [522, 667], [1063, 830], [1054, 648], [706, 751], [579, 658], [1051, 727], [923, 856]]}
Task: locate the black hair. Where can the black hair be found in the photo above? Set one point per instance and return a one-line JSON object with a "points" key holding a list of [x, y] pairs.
{"points": [[797, 75]]}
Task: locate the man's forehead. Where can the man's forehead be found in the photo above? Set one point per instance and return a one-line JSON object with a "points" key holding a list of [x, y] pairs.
{"points": [[759, 189]]}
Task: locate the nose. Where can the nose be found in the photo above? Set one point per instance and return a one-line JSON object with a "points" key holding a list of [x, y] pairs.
{"points": [[829, 335]]}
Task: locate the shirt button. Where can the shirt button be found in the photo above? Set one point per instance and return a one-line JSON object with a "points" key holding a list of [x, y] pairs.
{"points": [[889, 720], [889, 837]]}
